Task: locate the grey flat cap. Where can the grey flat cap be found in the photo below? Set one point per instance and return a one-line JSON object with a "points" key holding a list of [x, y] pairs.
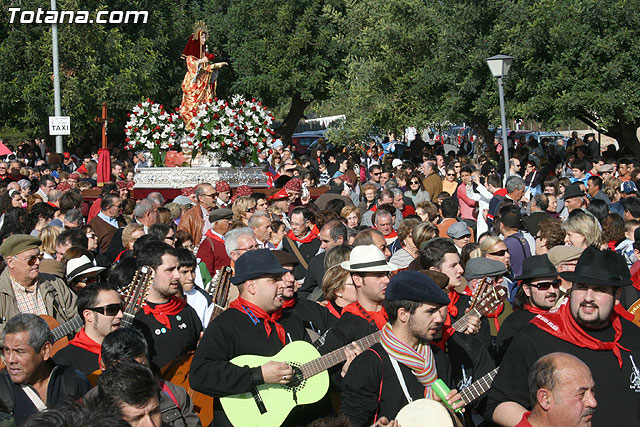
{"points": [[458, 230], [477, 268]]}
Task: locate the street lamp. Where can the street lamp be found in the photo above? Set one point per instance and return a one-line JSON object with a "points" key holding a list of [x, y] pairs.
{"points": [[499, 66]]}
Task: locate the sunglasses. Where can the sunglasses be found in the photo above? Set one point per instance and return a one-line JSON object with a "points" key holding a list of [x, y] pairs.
{"points": [[375, 173], [498, 253], [250, 210], [32, 259], [109, 309], [543, 286], [451, 174], [414, 182]]}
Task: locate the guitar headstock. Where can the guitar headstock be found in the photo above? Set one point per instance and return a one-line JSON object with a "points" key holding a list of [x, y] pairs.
{"points": [[137, 291], [491, 299]]}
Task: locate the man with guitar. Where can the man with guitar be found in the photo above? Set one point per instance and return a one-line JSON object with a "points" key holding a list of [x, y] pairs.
{"points": [[589, 325], [538, 293], [252, 325], [403, 366], [171, 327], [24, 290], [100, 306]]}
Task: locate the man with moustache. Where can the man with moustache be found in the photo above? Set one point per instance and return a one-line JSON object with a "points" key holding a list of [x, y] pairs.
{"points": [[538, 293], [563, 392], [100, 306], [170, 326], [404, 365], [590, 326], [253, 324]]}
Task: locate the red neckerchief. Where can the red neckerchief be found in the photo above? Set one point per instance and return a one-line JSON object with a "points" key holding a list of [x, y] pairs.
{"points": [[561, 324], [53, 205], [375, 318], [329, 306], [533, 309], [497, 312], [212, 235], [306, 239], [289, 303], [120, 255], [374, 208], [82, 340], [452, 309], [623, 313], [391, 235], [161, 312], [635, 279], [252, 310]]}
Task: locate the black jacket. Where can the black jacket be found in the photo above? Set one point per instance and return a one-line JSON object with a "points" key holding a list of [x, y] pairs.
{"points": [[307, 250]]}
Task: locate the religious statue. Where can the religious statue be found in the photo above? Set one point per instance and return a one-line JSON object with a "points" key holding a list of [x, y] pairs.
{"points": [[199, 84]]}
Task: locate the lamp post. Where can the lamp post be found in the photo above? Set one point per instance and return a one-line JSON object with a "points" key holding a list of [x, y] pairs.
{"points": [[499, 66]]}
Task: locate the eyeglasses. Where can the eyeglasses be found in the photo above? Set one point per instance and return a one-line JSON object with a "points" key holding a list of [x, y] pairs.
{"points": [[375, 173], [250, 210], [250, 248], [415, 182], [210, 195], [32, 259], [498, 253], [109, 309], [92, 236], [451, 174], [543, 286], [172, 238]]}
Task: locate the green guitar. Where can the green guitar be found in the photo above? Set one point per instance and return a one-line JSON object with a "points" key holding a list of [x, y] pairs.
{"points": [[270, 404]]}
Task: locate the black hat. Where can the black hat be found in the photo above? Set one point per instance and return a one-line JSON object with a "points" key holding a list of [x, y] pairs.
{"points": [[410, 285], [285, 258], [537, 266], [596, 267], [573, 190], [256, 263]]}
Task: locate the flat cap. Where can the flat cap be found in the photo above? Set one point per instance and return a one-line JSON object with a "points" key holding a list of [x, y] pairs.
{"points": [[559, 254], [477, 268], [218, 214], [18, 243], [410, 285], [285, 258], [458, 230], [607, 167]]}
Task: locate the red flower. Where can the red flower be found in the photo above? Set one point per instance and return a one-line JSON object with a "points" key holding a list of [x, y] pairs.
{"points": [[126, 139], [215, 116], [231, 135], [157, 142], [222, 144], [135, 129], [253, 100], [139, 105], [191, 134], [253, 108], [128, 114], [246, 143], [144, 127], [215, 99], [161, 107], [260, 104], [173, 134], [235, 116]]}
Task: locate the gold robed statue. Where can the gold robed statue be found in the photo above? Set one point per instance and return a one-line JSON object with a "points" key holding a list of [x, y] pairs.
{"points": [[199, 84]]}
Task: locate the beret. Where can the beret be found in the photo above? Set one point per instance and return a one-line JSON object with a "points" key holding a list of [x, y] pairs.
{"points": [[477, 268], [415, 286], [559, 254], [253, 264], [294, 184], [457, 230], [222, 186], [19, 243], [218, 214]]}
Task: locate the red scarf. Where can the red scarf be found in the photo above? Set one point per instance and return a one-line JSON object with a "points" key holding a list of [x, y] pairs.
{"points": [[252, 309], [623, 313], [452, 311], [378, 317], [533, 309], [307, 239], [211, 235], [161, 312], [391, 235], [561, 324], [82, 340], [289, 303], [635, 279], [330, 307]]}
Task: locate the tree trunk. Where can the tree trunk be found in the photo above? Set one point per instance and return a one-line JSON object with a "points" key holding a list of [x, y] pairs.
{"points": [[623, 131], [296, 112]]}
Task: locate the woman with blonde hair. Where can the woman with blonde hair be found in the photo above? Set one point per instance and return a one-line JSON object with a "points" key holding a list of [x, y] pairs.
{"points": [[493, 247], [409, 251], [48, 235], [583, 230], [337, 285], [352, 214], [243, 208]]}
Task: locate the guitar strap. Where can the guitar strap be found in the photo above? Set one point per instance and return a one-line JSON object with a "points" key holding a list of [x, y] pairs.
{"points": [[403, 384], [375, 418], [297, 252]]}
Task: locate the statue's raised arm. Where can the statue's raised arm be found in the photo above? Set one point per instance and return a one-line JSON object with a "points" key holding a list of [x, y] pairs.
{"points": [[199, 84]]}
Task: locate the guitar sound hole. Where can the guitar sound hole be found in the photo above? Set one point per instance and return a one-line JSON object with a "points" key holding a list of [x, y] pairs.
{"points": [[297, 380]]}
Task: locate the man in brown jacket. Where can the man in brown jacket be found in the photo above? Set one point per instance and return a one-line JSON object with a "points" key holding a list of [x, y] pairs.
{"points": [[24, 290], [432, 181], [195, 221], [108, 220]]}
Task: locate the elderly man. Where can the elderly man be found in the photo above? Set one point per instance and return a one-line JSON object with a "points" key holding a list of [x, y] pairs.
{"points": [[24, 290], [47, 183], [515, 190], [587, 326], [384, 223], [432, 182], [195, 221], [562, 391], [108, 220], [384, 198], [146, 213], [32, 381], [564, 259], [260, 224], [332, 234], [212, 249], [301, 241], [574, 198]]}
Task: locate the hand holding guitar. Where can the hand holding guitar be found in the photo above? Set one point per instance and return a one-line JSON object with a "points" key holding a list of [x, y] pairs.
{"points": [[473, 324], [351, 352], [276, 372]]}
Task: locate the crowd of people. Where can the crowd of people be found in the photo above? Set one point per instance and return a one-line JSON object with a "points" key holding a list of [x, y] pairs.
{"points": [[413, 265]]}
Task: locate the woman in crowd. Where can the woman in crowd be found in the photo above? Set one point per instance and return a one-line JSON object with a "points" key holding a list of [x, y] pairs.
{"points": [[279, 230], [243, 208], [612, 231], [337, 285], [368, 197], [428, 211], [403, 256], [450, 182], [416, 190], [583, 230], [352, 215], [550, 234]]}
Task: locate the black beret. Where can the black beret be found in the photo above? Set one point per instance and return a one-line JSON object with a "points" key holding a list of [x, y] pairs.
{"points": [[415, 286]]}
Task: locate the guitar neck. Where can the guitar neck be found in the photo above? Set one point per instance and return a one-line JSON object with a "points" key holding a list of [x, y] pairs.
{"points": [[478, 388], [461, 324], [325, 362], [127, 319], [66, 328]]}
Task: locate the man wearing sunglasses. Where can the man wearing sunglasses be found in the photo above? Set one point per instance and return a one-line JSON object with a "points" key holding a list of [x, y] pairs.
{"points": [[538, 292], [24, 290], [100, 306]]}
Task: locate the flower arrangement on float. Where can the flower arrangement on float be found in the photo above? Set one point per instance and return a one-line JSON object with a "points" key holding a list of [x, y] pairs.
{"points": [[150, 127], [222, 133]]}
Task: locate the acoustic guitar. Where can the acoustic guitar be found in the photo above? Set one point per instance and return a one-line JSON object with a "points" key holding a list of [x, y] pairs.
{"points": [[177, 371], [635, 310], [270, 404]]}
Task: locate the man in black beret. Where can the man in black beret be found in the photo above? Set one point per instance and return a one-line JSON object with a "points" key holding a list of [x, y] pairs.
{"points": [[404, 365], [590, 325]]}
